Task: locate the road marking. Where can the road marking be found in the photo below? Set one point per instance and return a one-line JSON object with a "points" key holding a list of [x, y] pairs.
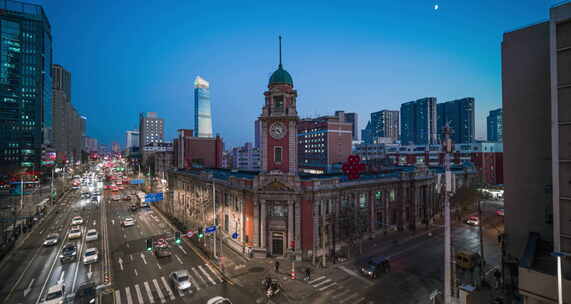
{"points": [[179, 260], [143, 257], [128, 294], [124, 236], [94, 223], [206, 273], [149, 294], [327, 286], [315, 280], [194, 282], [136, 273], [61, 277], [27, 290], [121, 263], [198, 274], [169, 291], [342, 294], [353, 295], [159, 291], [127, 244], [89, 273], [159, 266], [321, 283], [179, 246], [214, 272], [351, 272], [139, 295], [117, 296], [112, 222], [131, 257]]}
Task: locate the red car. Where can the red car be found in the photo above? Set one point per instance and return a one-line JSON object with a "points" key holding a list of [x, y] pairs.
{"points": [[500, 212]]}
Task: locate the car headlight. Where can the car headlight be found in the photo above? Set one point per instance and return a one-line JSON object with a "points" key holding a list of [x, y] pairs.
{"points": [[74, 253]]}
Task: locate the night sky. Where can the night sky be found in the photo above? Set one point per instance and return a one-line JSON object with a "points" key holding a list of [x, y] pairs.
{"points": [[128, 57]]}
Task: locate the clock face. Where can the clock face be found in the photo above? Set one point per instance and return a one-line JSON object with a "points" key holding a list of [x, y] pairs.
{"points": [[277, 130]]}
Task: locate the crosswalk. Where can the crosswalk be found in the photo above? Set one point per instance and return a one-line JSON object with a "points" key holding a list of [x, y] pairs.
{"points": [[337, 293], [161, 290]]}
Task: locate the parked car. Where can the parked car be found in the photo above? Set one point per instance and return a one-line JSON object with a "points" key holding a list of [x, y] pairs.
{"points": [[180, 279], [51, 239], [473, 220]]}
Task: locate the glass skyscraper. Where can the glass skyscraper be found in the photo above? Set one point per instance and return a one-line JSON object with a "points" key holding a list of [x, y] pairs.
{"points": [[460, 115], [202, 109], [495, 126], [25, 84], [418, 122]]}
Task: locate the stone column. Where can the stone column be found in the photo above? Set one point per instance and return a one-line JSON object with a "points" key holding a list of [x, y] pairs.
{"points": [[256, 223], [297, 229], [264, 234], [372, 203]]}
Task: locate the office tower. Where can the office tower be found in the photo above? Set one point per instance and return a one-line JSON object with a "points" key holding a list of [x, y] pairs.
{"points": [[353, 119], [151, 129], [257, 133], [495, 126], [418, 121], [202, 108], [367, 134], [537, 162], [384, 126], [460, 115], [25, 85], [132, 139], [322, 142]]}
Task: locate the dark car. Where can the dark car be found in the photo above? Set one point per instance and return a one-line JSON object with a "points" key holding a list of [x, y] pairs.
{"points": [[375, 266], [86, 294], [68, 253], [133, 207]]}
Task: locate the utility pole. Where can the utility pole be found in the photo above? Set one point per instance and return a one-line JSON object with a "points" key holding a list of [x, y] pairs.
{"points": [[482, 260], [447, 230], [214, 211]]}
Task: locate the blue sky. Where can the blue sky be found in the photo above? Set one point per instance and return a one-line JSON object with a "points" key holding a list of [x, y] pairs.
{"points": [[128, 57]]}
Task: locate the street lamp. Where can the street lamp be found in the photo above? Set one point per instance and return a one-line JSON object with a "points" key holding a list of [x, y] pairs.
{"points": [[558, 255]]}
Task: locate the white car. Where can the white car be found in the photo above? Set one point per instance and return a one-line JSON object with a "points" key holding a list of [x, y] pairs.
{"points": [[91, 235], [473, 220], [51, 240], [90, 256], [77, 220], [128, 221], [180, 279], [219, 300], [74, 233], [56, 294]]}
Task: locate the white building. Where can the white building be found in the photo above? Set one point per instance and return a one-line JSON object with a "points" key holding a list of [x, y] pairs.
{"points": [[246, 158]]}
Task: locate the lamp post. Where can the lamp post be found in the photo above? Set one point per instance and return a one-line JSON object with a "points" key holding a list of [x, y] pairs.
{"points": [[559, 255]]}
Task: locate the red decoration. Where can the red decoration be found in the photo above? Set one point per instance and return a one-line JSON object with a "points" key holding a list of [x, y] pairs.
{"points": [[353, 168]]}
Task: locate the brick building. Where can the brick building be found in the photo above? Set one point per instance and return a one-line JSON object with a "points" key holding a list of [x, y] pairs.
{"points": [[190, 150]]}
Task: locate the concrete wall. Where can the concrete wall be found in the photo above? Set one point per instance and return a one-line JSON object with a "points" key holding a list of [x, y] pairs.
{"points": [[527, 136]]}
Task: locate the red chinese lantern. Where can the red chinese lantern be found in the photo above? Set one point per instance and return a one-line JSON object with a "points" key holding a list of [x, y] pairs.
{"points": [[353, 167]]}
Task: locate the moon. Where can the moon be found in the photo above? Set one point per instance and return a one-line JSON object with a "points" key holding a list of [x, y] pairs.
{"points": [[436, 7]]}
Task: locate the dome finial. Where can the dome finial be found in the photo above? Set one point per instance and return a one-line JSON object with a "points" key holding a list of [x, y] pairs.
{"points": [[280, 38]]}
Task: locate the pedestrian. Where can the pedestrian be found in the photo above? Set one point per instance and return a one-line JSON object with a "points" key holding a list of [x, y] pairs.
{"points": [[277, 265], [307, 274], [497, 275]]}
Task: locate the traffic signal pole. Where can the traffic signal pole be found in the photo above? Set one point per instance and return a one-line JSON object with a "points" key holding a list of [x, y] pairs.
{"points": [[214, 211]]}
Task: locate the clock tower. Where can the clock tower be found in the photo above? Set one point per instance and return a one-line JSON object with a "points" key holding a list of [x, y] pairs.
{"points": [[279, 123]]}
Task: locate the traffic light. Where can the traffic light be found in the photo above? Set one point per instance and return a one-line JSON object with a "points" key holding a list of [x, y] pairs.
{"points": [[149, 244], [177, 237], [200, 234]]}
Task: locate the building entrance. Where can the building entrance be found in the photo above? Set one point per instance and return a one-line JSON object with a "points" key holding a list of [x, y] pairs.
{"points": [[277, 244]]}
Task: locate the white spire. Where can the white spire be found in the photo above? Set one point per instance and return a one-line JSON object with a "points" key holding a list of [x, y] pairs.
{"points": [[199, 82]]}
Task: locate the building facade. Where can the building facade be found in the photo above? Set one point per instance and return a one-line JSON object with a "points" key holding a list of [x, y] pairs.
{"points": [[460, 115], [353, 119], [323, 142], [191, 151], [151, 129], [25, 85], [385, 126], [418, 122], [280, 211], [132, 139], [246, 158], [535, 93], [202, 108], [495, 126]]}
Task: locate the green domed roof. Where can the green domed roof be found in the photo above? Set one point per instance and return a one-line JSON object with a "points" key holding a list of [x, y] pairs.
{"points": [[281, 76]]}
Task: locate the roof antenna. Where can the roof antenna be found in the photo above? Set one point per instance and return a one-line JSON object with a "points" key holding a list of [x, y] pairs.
{"points": [[280, 38]]}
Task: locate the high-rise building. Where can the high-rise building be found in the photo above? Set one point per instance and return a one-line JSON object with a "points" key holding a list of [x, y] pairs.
{"points": [[151, 129], [537, 148], [25, 85], [246, 158], [257, 133], [418, 121], [323, 142], [353, 119], [385, 126], [460, 116], [495, 126], [132, 141], [202, 108]]}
